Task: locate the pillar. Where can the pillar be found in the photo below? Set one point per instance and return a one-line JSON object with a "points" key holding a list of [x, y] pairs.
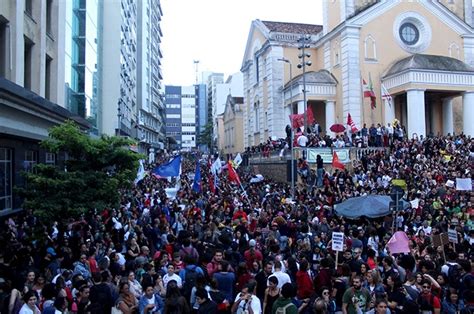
{"points": [[448, 126], [416, 112], [389, 107], [300, 107], [468, 113], [330, 114]]}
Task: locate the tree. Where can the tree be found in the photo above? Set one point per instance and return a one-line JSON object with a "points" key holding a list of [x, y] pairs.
{"points": [[95, 171], [205, 137]]}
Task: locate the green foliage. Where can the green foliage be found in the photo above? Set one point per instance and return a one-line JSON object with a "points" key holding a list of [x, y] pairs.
{"points": [[205, 137], [94, 173]]}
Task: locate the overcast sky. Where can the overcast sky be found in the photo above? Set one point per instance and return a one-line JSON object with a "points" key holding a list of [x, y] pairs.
{"points": [[215, 32]]}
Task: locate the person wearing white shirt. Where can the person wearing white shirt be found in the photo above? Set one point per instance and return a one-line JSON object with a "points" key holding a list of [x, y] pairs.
{"points": [[246, 300], [281, 276], [171, 275]]}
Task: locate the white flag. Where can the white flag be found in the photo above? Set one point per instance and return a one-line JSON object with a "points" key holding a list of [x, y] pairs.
{"points": [[216, 166], [237, 160], [386, 95], [140, 172]]}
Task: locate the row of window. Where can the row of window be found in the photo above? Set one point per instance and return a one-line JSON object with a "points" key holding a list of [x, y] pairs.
{"points": [[6, 172]]}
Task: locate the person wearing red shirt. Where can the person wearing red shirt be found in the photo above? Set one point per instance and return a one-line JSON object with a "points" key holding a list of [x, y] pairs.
{"points": [[253, 255], [427, 301], [304, 282], [240, 214]]}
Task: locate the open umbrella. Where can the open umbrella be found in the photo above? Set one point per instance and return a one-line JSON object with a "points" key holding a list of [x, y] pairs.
{"points": [[371, 206], [337, 128]]}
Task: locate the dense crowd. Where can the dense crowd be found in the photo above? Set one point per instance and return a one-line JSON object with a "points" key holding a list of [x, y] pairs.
{"points": [[256, 252], [373, 136]]}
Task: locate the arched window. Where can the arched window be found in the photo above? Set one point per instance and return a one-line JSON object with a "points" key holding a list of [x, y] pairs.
{"points": [[256, 107], [370, 48], [453, 50]]}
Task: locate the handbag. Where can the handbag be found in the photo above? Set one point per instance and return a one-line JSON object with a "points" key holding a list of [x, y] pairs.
{"points": [[116, 310]]}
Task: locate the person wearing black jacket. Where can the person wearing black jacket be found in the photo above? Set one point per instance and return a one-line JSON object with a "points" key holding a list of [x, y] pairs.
{"points": [[100, 295], [206, 306]]}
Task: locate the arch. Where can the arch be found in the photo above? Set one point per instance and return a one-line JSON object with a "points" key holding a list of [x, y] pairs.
{"points": [[454, 50], [370, 48]]}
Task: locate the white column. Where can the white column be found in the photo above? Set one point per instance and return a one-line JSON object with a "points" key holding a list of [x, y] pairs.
{"points": [[300, 106], [330, 114], [468, 113], [389, 111], [416, 112], [448, 116]]}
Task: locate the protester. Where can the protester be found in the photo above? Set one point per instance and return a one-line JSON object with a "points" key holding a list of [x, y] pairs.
{"points": [[160, 252]]}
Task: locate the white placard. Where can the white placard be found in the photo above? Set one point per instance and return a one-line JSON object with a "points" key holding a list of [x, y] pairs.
{"points": [[463, 184], [453, 236], [338, 241]]}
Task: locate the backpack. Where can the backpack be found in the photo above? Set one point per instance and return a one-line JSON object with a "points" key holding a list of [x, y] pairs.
{"points": [[190, 278], [454, 275], [282, 309]]}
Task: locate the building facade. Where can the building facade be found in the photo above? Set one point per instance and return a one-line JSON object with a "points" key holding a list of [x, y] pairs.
{"points": [[31, 89], [150, 104], [422, 52], [202, 113], [232, 120], [118, 58], [81, 59]]}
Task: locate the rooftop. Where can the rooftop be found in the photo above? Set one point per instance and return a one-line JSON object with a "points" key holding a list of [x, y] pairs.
{"points": [[429, 62], [293, 28]]}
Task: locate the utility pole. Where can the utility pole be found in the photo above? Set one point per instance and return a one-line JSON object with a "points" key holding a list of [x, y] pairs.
{"points": [[196, 66]]}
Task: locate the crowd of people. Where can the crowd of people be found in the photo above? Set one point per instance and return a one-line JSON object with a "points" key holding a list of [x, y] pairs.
{"points": [[258, 251], [373, 136]]}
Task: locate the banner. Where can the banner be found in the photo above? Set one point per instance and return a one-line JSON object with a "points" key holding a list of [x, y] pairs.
{"points": [[398, 243], [326, 155], [463, 184]]}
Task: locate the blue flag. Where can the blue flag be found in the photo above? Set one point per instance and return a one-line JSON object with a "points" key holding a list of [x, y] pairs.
{"points": [[170, 169], [197, 179]]}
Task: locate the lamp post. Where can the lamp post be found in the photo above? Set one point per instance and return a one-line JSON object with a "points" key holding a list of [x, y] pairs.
{"points": [[291, 127], [303, 43]]}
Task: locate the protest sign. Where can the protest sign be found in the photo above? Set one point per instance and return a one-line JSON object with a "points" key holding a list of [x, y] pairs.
{"points": [[463, 184], [398, 243], [453, 236], [338, 241]]}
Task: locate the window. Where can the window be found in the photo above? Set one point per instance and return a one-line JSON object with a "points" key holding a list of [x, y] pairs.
{"points": [[370, 48], [4, 48], [47, 78], [49, 16], [409, 33], [50, 159], [5, 178], [454, 51], [29, 7], [257, 116], [28, 62], [31, 158], [256, 69]]}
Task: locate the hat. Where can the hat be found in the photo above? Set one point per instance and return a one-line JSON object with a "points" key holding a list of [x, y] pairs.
{"points": [[252, 243], [51, 251]]}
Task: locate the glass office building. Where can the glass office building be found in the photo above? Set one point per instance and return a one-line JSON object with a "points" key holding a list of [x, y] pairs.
{"points": [[81, 59]]}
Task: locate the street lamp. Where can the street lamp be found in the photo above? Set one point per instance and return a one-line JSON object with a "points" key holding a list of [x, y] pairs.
{"points": [[303, 43], [291, 127]]}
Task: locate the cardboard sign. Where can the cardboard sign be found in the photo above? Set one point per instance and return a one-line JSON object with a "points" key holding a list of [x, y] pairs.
{"points": [[440, 239], [453, 236], [338, 241]]}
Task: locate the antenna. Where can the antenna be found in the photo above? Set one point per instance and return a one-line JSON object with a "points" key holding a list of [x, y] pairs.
{"points": [[196, 65]]}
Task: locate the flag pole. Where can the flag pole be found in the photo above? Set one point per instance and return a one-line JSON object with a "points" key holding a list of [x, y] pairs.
{"points": [[362, 102], [371, 108]]}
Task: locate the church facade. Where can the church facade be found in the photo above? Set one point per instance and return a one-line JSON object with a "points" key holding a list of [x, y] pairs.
{"points": [[416, 58]]}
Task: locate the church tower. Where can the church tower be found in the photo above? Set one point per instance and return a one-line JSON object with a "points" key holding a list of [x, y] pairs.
{"points": [[337, 11], [462, 8]]}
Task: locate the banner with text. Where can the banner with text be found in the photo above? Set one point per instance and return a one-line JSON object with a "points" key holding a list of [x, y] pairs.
{"points": [[326, 155]]}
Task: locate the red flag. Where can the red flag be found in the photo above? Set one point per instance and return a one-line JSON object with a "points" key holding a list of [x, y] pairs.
{"points": [[210, 180], [351, 123], [233, 176], [297, 120], [335, 162]]}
